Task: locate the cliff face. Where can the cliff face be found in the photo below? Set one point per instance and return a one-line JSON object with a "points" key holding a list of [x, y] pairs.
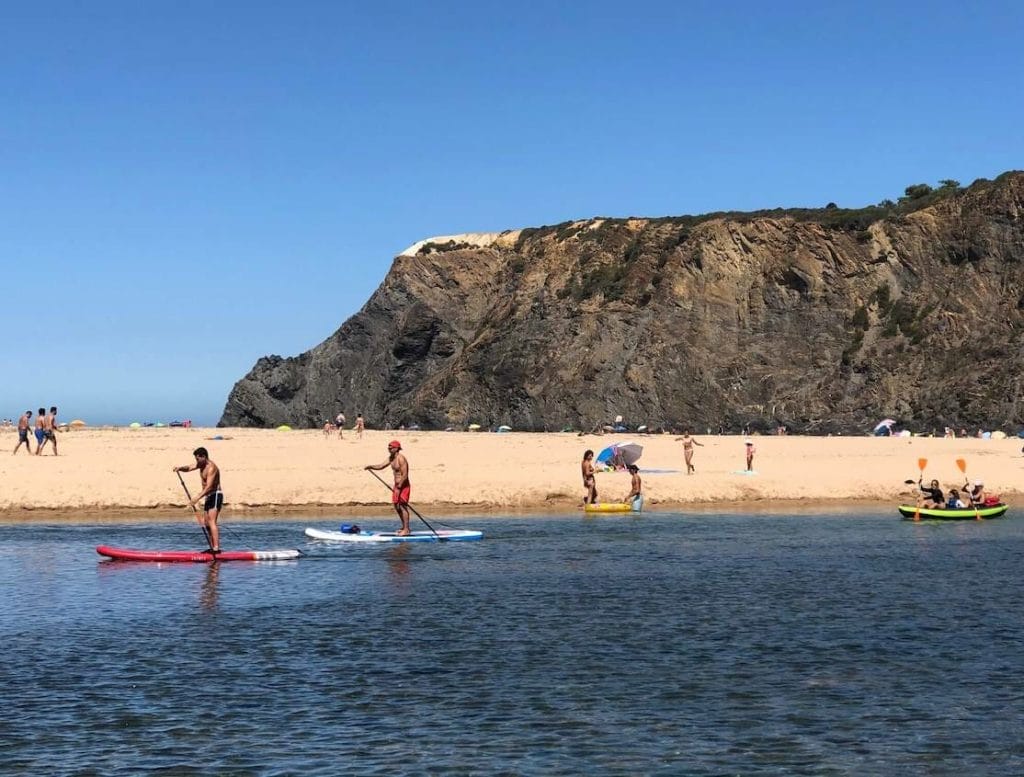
{"points": [[821, 320]]}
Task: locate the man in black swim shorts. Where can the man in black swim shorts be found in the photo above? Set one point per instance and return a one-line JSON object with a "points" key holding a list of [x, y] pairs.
{"points": [[211, 495]]}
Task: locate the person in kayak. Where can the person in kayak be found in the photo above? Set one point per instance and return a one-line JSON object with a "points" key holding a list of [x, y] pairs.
{"points": [[975, 495], [589, 481], [931, 495], [635, 497], [954, 502], [402, 490], [212, 496]]}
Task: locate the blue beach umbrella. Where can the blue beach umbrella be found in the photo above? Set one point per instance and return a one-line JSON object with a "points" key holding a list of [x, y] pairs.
{"points": [[629, 453]]}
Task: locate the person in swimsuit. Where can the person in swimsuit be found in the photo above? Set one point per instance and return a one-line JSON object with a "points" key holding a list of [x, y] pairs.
{"points": [[749, 444], [589, 481], [359, 426], [50, 426], [975, 495], [401, 491], [340, 423], [23, 427], [40, 430], [934, 498], [211, 496], [688, 443], [635, 497]]}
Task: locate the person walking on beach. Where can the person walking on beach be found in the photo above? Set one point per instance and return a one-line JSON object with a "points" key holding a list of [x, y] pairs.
{"points": [[589, 480], [635, 497], [359, 426], [340, 423], [749, 444], [688, 443], [211, 495], [402, 489], [49, 430], [23, 429], [40, 430]]}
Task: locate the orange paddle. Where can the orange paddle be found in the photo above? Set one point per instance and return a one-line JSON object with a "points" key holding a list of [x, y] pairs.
{"points": [[921, 464], [962, 465]]}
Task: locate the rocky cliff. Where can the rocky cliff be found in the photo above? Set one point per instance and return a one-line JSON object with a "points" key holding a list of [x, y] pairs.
{"points": [[824, 320]]}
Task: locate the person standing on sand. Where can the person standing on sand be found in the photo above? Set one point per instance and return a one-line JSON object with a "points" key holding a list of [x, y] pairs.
{"points": [[23, 428], [340, 423], [749, 444], [589, 481], [402, 489], [212, 496], [359, 426], [688, 443], [635, 497]]}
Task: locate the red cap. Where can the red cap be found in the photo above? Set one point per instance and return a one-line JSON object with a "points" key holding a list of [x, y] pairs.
{"points": [[395, 444]]}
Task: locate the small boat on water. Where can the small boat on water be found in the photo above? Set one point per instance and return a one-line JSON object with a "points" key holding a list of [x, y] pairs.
{"points": [[909, 512]]}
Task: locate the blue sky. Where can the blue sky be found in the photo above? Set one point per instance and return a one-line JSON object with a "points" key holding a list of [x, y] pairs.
{"points": [[188, 186]]}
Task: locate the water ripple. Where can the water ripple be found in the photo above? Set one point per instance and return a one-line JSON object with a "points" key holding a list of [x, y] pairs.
{"points": [[704, 645]]}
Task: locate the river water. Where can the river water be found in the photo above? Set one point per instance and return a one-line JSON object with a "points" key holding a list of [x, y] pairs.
{"points": [[824, 644]]}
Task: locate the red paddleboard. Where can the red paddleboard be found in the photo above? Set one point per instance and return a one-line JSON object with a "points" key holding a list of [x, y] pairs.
{"points": [[195, 556]]}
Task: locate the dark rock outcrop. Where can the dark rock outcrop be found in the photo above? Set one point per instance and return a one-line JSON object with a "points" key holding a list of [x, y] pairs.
{"points": [[822, 320]]}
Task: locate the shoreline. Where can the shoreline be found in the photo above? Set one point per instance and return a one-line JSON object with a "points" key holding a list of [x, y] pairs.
{"points": [[168, 513], [128, 474]]}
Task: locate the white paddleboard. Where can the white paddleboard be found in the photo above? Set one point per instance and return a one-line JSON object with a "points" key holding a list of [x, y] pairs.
{"points": [[443, 535]]}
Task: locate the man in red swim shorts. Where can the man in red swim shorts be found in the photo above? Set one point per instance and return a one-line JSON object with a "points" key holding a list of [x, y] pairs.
{"points": [[402, 489]]}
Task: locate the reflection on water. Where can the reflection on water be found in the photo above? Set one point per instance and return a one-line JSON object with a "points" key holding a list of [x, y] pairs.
{"points": [[397, 556], [208, 595], [710, 644]]}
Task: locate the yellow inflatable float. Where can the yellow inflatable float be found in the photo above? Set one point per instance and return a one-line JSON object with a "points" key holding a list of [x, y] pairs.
{"points": [[615, 507]]}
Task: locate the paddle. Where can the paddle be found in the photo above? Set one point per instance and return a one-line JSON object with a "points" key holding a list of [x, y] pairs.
{"points": [[962, 465], [921, 464], [195, 512], [415, 511]]}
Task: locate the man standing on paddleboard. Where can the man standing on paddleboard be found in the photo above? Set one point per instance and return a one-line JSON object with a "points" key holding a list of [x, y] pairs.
{"points": [[212, 496], [402, 490]]}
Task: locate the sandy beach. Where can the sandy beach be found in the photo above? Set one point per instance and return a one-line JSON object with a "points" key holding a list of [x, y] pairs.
{"points": [[127, 472]]}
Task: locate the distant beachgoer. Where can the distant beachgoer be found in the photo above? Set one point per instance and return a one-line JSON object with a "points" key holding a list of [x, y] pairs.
{"points": [[749, 445], [635, 496], [402, 489], [23, 429], [40, 430], [328, 428], [51, 429], [688, 443], [212, 496], [589, 480], [340, 423], [360, 424]]}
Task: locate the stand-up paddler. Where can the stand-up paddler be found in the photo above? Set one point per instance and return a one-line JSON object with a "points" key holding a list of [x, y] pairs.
{"points": [[211, 496]]}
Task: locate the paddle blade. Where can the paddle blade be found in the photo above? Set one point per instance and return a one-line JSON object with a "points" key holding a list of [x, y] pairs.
{"points": [[921, 464], [962, 465]]}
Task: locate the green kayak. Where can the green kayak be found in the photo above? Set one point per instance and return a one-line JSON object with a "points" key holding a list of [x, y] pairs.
{"points": [[967, 514]]}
